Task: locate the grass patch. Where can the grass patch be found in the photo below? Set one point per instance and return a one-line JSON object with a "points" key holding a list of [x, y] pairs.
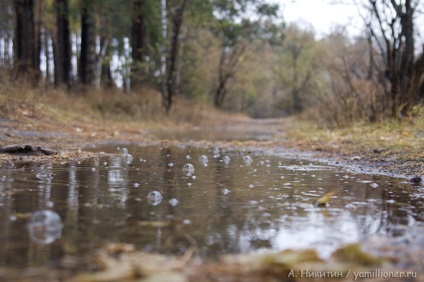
{"points": [[397, 140], [143, 108]]}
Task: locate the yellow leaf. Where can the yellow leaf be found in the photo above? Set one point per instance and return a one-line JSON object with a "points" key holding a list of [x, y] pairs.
{"points": [[322, 202]]}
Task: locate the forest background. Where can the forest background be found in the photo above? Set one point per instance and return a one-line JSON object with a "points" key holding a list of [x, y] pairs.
{"points": [[146, 58]]}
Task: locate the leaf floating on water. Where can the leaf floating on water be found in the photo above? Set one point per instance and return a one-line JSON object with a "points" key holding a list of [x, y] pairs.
{"points": [[20, 215], [154, 223], [322, 202]]}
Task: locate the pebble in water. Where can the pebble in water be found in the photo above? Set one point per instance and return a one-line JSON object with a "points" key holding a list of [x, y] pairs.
{"points": [[154, 198], [44, 227], [188, 169], [203, 160]]}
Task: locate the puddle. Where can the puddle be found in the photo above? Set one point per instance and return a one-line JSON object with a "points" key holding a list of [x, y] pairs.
{"points": [[170, 199]]}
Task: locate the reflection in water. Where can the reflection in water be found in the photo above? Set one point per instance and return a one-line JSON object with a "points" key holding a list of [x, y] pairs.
{"points": [[237, 203]]}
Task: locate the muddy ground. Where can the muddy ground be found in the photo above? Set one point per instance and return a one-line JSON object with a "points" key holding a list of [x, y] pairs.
{"points": [[70, 138]]}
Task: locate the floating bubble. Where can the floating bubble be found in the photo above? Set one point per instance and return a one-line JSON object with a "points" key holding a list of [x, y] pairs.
{"points": [[44, 173], [173, 202], [203, 160], [44, 227], [154, 198], [171, 164], [105, 163], [251, 186], [226, 191], [136, 185], [247, 160], [188, 169], [126, 158], [188, 157], [186, 221], [226, 160], [374, 185]]}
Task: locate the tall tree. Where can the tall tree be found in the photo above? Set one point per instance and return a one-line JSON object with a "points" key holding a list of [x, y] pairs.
{"points": [[26, 55], [392, 28], [87, 60], [177, 16], [62, 52], [298, 64], [236, 27], [139, 41]]}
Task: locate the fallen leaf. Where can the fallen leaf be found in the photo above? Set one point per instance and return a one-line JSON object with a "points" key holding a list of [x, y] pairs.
{"points": [[322, 202]]}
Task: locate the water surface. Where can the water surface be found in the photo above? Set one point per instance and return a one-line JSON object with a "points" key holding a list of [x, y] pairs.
{"points": [[236, 202]]}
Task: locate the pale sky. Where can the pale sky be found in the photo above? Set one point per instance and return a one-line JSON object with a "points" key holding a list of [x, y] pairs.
{"points": [[322, 15]]}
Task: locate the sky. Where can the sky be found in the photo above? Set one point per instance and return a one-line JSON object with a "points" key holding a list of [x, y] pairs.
{"points": [[322, 15]]}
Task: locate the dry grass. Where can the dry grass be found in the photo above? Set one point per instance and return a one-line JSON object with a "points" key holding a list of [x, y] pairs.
{"points": [[142, 108], [387, 140]]}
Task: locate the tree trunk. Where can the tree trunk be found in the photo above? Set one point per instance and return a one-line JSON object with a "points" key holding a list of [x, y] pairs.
{"points": [[62, 52], [172, 61], [138, 43], [26, 41], [87, 61]]}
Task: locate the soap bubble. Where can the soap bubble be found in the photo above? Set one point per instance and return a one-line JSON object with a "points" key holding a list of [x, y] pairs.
{"points": [[247, 160], [154, 198], [226, 160], [173, 202], [216, 153], [188, 169], [126, 158], [203, 160], [44, 227]]}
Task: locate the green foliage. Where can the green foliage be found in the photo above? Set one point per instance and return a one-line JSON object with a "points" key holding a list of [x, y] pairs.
{"points": [[298, 67]]}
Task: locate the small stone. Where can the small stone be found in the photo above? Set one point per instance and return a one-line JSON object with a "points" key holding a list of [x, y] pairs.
{"points": [[415, 180]]}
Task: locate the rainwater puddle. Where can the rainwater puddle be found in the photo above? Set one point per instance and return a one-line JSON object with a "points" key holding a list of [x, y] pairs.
{"points": [[168, 199]]}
